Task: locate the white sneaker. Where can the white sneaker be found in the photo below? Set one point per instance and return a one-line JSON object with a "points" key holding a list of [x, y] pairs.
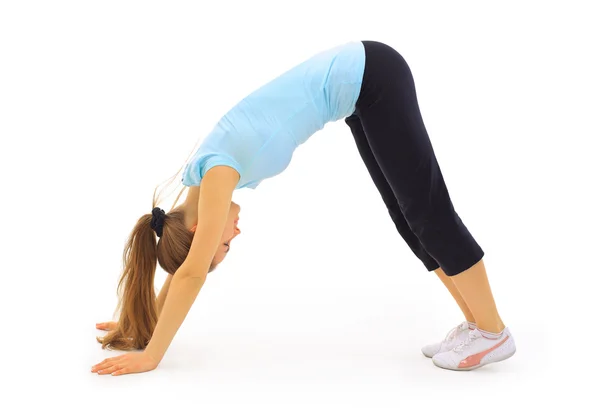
{"points": [[453, 338], [476, 351]]}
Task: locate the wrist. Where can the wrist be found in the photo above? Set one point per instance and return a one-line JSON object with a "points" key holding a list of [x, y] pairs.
{"points": [[154, 354]]}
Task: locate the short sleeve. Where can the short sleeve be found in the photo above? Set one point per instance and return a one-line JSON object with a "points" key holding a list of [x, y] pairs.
{"points": [[196, 169]]}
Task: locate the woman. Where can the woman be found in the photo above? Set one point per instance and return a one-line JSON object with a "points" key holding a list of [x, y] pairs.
{"points": [[370, 85]]}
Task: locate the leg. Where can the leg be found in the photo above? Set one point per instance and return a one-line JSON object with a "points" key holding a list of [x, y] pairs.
{"points": [[397, 217], [392, 122], [449, 283], [394, 128], [473, 285], [391, 119], [387, 194], [491, 341]]}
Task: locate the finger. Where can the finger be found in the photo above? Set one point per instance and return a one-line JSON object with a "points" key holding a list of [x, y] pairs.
{"points": [[121, 371], [102, 365], [105, 365], [106, 362], [99, 364], [109, 369], [106, 325]]}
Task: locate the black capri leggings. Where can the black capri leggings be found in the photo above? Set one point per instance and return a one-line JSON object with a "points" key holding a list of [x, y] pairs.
{"points": [[394, 145]]}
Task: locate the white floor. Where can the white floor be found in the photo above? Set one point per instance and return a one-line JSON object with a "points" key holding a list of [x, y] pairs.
{"points": [[316, 351]]}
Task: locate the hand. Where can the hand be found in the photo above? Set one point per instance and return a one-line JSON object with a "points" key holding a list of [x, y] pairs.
{"points": [[126, 364], [106, 326]]}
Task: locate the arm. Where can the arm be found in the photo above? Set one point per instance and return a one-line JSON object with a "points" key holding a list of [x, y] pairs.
{"points": [[214, 201], [160, 300]]}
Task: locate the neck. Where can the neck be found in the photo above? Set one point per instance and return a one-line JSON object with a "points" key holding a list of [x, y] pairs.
{"points": [[190, 206]]}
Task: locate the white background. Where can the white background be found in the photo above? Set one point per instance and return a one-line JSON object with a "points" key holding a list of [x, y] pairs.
{"points": [[320, 309]]}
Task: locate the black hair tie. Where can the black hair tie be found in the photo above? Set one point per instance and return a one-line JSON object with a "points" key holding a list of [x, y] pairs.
{"points": [[158, 220]]}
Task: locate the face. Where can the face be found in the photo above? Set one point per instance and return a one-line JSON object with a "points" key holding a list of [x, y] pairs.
{"points": [[229, 233]]}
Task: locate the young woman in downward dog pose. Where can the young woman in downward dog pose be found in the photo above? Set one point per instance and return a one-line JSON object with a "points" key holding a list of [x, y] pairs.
{"points": [[370, 85]]}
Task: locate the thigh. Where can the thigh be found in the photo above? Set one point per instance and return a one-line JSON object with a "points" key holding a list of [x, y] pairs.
{"points": [[387, 194], [372, 166], [398, 139]]}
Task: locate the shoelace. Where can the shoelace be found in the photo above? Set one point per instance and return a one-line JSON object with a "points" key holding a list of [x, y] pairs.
{"points": [[473, 335], [454, 332]]}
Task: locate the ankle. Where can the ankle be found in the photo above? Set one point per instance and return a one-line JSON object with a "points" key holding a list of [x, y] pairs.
{"points": [[492, 327]]}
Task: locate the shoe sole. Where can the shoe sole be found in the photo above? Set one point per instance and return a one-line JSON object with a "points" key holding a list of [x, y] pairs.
{"points": [[474, 367]]}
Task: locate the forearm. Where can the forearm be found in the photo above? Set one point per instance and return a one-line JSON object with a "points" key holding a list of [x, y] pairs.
{"points": [[162, 296], [182, 293]]}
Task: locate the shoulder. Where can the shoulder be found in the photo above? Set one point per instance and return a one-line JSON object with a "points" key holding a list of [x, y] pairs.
{"points": [[222, 175]]}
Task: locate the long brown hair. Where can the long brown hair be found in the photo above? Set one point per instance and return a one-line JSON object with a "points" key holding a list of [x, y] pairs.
{"points": [[137, 298]]}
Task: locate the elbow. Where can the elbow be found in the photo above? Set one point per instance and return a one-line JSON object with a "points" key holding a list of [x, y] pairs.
{"points": [[189, 278], [193, 272]]}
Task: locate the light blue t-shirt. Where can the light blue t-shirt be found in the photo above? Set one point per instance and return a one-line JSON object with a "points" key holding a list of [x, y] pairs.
{"points": [[258, 136]]}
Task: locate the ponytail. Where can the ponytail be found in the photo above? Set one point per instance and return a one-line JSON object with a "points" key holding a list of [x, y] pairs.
{"points": [[137, 298]]}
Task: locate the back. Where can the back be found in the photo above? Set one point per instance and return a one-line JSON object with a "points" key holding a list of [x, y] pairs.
{"points": [[258, 136]]}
